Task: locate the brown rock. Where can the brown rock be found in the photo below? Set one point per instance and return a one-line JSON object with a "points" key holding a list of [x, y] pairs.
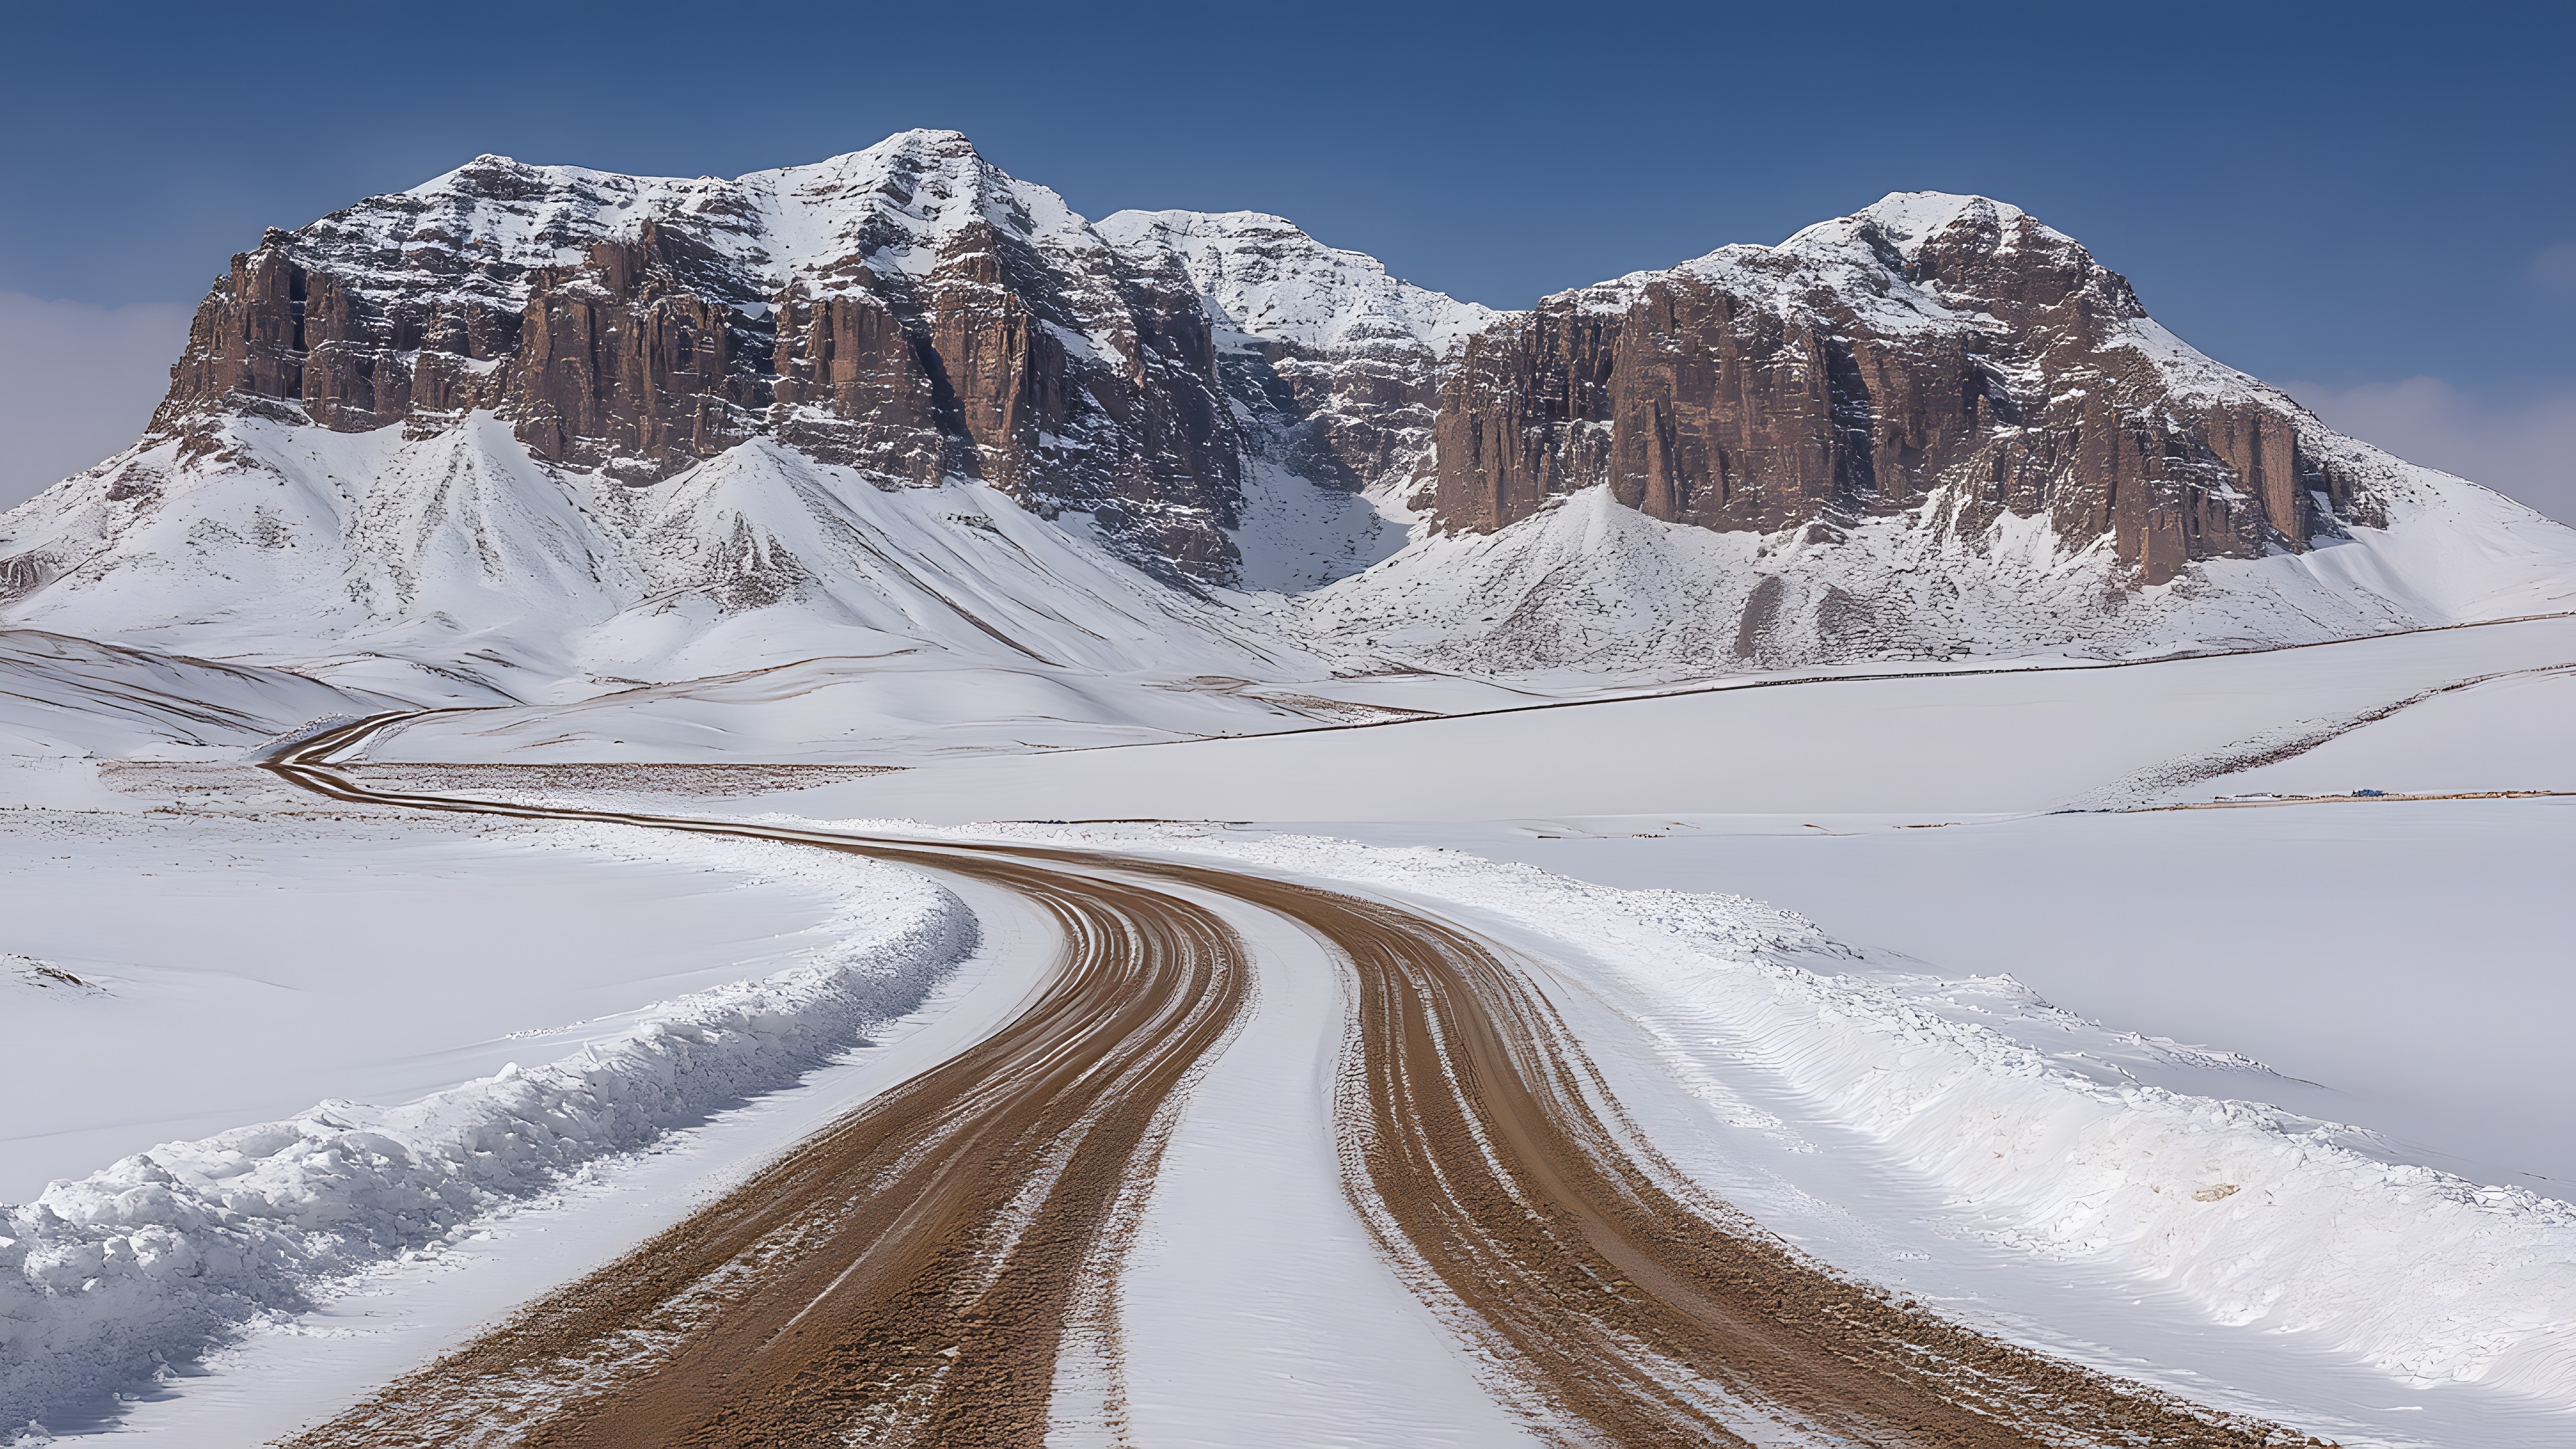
{"points": [[247, 339], [1702, 403], [621, 366]]}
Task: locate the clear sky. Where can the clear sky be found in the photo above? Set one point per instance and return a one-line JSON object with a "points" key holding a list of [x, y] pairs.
{"points": [[2373, 204]]}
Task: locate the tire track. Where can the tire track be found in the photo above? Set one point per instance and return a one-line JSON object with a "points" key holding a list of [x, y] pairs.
{"points": [[909, 1274], [1618, 1302], [1626, 1304]]}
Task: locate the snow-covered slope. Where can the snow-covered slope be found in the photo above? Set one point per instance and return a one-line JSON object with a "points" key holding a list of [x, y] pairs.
{"points": [[1265, 280], [1588, 585], [64, 697], [457, 566]]}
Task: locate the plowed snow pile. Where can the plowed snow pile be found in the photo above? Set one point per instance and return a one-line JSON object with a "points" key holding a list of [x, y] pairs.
{"points": [[149, 1260]]}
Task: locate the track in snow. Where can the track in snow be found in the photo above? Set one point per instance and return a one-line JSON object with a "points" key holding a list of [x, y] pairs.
{"points": [[912, 1274]]}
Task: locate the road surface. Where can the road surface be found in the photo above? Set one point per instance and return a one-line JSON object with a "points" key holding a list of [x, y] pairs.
{"points": [[912, 1274]]}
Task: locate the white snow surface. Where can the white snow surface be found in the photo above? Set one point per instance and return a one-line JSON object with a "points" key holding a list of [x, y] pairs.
{"points": [[167, 1251], [2426, 1276], [1602, 588], [1264, 279], [454, 569], [67, 698], [1995, 739], [763, 602]]}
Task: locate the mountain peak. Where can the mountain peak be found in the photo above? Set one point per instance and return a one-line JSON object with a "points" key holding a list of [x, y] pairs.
{"points": [[1908, 223], [921, 149], [1268, 278], [1932, 375], [1915, 215]]}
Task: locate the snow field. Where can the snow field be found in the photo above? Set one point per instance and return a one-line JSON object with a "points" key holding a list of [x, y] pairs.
{"points": [[2396, 964], [2018, 739], [66, 698], [105, 1279]]}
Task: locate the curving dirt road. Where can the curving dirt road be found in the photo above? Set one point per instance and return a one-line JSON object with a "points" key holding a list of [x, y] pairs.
{"points": [[911, 1274], [906, 1276], [1627, 1304]]}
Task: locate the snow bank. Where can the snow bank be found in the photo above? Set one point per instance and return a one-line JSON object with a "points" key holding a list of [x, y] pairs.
{"points": [[105, 1279], [2264, 1219]]}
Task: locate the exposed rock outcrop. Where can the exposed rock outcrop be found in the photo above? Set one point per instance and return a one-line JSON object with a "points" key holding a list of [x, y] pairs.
{"points": [[912, 312], [908, 310], [621, 365], [1926, 343]]}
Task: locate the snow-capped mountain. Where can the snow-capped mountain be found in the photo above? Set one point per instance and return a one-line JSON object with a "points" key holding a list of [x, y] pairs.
{"points": [[541, 433]]}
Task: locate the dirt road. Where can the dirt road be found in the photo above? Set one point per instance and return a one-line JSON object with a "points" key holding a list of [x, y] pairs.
{"points": [[910, 1275]]}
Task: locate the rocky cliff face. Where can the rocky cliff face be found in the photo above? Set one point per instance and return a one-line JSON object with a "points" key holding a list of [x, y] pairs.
{"points": [[543, 432], [1927, 344], [907, 310], [912, 312]]}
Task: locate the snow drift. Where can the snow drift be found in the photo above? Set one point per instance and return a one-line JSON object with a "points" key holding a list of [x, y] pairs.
{"points": [[106, 1279]]}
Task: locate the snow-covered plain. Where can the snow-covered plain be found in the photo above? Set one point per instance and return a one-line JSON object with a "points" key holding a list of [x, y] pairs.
{"points": [[241, 954], [2015, 740], [1967, 1083]]}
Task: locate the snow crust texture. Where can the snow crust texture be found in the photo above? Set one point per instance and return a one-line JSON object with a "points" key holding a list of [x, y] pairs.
{"points": [[105, 1279]]}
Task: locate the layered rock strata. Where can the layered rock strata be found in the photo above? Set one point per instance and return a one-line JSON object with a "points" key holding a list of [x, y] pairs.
{"points": [[912, 312], [907, 310], [1929, 343]]}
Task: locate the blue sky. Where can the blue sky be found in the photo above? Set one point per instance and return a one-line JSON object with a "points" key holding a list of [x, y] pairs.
{"points": [[2376, 203]]}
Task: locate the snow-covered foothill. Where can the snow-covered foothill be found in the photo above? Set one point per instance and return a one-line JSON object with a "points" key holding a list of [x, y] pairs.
{"points": [[1593, 586], [456, 570], [1992, 737], [63, 698]]}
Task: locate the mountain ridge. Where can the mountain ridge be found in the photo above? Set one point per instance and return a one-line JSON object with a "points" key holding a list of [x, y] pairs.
{"points": [[541, 434]]}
